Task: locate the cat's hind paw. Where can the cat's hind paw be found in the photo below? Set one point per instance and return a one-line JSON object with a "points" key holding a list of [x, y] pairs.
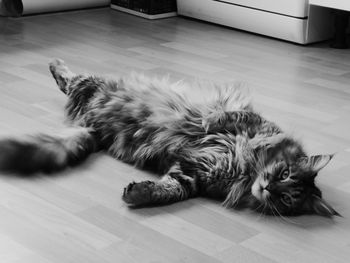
{"points": [[61, 73], [137, 194]]}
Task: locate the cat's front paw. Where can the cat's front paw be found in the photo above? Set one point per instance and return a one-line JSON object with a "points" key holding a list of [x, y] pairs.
{"points": [[137, 194]]}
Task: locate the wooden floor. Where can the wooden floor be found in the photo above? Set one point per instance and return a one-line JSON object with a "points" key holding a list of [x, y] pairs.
{"points": [[78, 215]]}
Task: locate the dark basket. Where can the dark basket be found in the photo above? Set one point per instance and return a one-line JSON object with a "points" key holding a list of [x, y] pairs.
{"points": [[151, 7]]}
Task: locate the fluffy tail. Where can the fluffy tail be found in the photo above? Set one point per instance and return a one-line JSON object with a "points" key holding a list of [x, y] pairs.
{"points": [[46, 153]]}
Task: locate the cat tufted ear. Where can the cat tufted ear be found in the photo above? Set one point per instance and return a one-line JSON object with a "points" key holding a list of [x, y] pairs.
{"points": [[316, 205], [316, 162]]}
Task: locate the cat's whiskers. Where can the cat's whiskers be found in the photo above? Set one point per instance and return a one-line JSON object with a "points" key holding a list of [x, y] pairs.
{"points": [[286, 219], [262, 212], [269, 205]]}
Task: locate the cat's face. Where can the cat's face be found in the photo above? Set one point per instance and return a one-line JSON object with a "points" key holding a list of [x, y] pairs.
{"points": [[283, 188]]}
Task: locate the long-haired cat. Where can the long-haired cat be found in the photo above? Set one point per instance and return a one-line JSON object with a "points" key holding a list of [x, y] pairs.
{"points": [[205, 140]]}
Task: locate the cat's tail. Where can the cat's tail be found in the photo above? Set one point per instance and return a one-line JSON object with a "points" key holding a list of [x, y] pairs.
{"points": [[47, 153]]}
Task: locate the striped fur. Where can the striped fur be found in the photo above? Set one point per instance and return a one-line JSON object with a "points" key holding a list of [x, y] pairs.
{"points": [[46, 153], [204, 138]]}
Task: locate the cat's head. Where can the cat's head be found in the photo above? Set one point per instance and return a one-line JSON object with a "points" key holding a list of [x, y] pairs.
{"points": [[288, 187]]}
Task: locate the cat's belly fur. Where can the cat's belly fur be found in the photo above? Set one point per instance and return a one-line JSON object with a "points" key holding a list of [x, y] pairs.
{"points": [[152, 125]]}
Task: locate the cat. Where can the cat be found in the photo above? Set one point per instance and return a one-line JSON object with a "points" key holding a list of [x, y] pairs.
{"points": [[204, 139]]}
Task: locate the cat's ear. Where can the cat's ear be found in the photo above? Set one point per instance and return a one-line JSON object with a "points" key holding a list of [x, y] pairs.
{"points": [[316, 205], [316, 162]]}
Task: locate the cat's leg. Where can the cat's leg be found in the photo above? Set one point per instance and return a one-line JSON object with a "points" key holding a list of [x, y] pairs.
{"points": [[173, 187], [68, 81], [234, 121], [239, 122], [61, 74]]}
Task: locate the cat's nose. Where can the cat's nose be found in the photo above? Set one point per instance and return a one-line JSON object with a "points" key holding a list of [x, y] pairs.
{"points": [[269, 188]]}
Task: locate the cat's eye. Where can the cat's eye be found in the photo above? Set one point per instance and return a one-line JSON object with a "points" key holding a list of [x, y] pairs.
{"points": [[284, 175], [286, 199]]}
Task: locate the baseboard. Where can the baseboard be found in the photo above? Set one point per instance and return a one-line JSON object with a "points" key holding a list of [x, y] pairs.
{"points": [[147, 16]]}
